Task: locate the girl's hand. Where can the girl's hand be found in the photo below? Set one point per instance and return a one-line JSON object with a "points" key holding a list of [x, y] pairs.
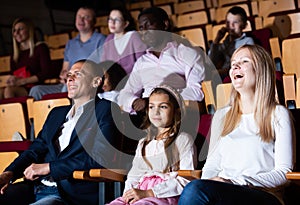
{"points": [[134, 195]]}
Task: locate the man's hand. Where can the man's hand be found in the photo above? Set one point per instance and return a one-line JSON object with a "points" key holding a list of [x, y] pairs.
{"points": [[139, 104], [34, 171], [5, 178], [134, 195], [220, 179]]}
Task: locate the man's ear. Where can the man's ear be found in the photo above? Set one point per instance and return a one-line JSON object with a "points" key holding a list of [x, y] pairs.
{"points": [[97, 81], [167, 25], [126, 24]]}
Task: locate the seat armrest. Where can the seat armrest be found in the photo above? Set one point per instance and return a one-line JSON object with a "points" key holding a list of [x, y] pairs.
{"points": [[190, 174], [293, 175], [101, 175]]}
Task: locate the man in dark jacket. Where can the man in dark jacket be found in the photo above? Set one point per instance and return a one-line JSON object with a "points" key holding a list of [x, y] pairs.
{"points": [[77, 137]]}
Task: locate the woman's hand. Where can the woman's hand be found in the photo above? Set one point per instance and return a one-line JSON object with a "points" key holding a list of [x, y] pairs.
{"points": [[11, 81], [134, 195]]}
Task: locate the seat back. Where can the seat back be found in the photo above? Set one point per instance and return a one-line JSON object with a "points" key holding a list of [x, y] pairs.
{"points": [[192, 19], [209, 96], [6, 158], [223, 94], [291, 61], [189, 6], [41, 109], [4, 64], [195, 36], [57, 40], [268, 7], [12, 119], [3, 80]]}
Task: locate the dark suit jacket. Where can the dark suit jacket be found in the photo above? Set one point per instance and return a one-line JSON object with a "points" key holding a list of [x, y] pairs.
{"points": [[93, 144]]}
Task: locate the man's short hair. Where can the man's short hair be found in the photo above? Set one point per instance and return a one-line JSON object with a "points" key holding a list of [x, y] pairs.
{"points": [[237, 10], [158, 13]]}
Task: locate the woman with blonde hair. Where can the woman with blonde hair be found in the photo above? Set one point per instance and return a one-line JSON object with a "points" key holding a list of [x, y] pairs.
{"points": [[30, 61], [251, 144]]}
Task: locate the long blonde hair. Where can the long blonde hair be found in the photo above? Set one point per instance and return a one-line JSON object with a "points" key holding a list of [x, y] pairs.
{"points": [[265, 91], [16, 46]]}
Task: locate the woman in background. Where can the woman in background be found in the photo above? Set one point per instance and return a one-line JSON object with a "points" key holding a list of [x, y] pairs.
{"points": [[124, 44], [30, 62]]}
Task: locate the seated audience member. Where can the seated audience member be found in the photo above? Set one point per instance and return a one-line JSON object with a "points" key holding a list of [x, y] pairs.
{"points": [[152, 178], [123, 44], [166, 61], [30, 63], [220, 53], [251, 143], [76, 137], [80, 47], [113, 80]]}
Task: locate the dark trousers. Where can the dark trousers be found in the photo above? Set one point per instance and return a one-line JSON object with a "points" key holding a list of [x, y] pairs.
{"points": [[200, 192], [20, 193]]}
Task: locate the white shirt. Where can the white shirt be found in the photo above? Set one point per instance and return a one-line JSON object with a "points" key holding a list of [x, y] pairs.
{"points": [[68, 128], [184, 158], [110, 95], [244, 158]]}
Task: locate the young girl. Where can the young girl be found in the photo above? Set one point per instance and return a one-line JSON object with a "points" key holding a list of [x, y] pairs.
{"points": [[113, 80], [123, 44], [153, 178]]}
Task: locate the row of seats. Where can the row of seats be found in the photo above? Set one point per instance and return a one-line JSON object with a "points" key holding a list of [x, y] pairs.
{"points": [[23, 121]]}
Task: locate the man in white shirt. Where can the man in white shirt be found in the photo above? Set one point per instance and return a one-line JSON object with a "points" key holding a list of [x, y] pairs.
{"points": [[166, 61]]}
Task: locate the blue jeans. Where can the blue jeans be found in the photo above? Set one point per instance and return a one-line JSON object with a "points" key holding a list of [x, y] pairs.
{"points": [[209, 192], [47, 195]]}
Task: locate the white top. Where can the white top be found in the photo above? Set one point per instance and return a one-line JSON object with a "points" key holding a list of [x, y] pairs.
{"points": [[121, 42], [243, 158], [68, 128], [184, 158]]}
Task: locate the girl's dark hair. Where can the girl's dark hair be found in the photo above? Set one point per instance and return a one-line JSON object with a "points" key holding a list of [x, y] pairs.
{"points": [[127, 17], [116, 74]]}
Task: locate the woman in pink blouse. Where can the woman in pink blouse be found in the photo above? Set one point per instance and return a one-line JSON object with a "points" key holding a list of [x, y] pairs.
{"points": [[124, 44]]}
